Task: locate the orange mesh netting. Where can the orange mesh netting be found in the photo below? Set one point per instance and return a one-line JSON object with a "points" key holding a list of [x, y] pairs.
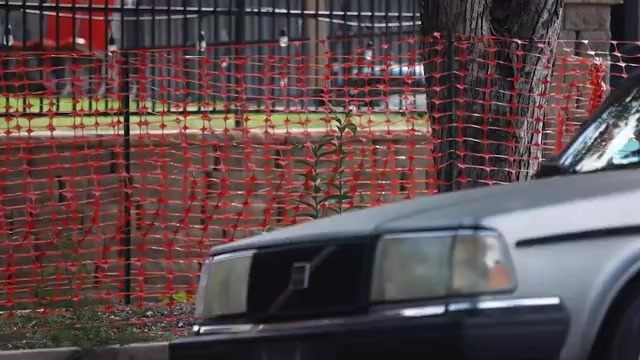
{"points": [[224, 145]]}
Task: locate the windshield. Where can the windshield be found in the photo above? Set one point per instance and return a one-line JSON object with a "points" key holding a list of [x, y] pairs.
{"points": [[612, 140]]}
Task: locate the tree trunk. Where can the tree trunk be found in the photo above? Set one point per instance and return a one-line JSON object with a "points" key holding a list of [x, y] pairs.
{"points": [[486, 96]]}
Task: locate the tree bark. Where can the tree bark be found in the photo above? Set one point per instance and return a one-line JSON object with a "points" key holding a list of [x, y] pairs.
{"points": [[488, 68]]}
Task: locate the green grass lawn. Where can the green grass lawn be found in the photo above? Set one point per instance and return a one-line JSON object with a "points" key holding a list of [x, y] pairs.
{"points": [[90, 116]]}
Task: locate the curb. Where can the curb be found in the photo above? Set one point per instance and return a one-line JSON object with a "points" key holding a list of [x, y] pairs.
{"points": [[154, 351]]}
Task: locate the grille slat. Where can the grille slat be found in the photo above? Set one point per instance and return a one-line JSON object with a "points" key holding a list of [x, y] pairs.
{"points": [[335, 284]]}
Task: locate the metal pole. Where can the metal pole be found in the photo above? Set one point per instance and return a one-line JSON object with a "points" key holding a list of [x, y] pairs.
{"points": [[201, 55], [126, 230], [239, 52], [125, 105]]}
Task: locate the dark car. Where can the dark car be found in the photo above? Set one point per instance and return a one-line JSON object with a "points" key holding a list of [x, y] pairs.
{"points": [[547, 269], [370, 84]]}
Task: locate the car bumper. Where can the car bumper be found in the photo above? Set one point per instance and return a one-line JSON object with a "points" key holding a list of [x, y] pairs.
{"points": [[532, 329]]}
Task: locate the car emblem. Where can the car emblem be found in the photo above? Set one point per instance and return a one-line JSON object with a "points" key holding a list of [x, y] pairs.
{"points": [[300, 276], [299, 280]]}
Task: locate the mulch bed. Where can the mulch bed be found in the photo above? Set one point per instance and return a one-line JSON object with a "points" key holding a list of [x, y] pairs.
{"points": [[95, 327]]}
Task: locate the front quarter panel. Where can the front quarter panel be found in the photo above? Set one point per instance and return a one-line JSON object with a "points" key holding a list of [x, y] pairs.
{"points": [[586, 273]]}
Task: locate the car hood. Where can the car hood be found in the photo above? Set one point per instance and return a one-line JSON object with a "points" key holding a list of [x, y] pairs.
{"points": [[486, 207]]}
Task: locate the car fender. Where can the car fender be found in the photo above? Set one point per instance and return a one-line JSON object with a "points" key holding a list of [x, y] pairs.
{"points": [[586, 272], [617, 274]]}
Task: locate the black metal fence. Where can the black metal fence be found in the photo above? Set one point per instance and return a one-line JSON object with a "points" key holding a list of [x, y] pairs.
{"points": [[162, 23], [346, 25], [172, 29]]}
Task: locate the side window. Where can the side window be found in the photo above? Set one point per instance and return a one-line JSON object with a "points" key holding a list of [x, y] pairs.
{"points": [[629, 153]]}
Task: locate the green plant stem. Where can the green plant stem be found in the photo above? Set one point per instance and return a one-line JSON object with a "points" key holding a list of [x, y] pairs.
{"points": [[317, 199]]}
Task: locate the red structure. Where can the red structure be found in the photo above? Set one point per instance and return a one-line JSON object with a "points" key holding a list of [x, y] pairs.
{"points": [[92, 27]]}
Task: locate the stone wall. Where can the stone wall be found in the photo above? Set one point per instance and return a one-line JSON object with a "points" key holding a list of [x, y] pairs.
{"points": [[188, 192]]}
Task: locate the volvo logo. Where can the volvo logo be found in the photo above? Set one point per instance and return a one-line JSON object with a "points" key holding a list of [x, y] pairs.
{"points": [[300, 276]]}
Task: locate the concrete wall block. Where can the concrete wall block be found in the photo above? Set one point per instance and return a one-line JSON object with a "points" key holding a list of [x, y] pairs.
{"points": [[147, 159], [12, 190], [587, 17], [413, 163], [391, 158], [383, 176], [168, 213], [77, 191], [359, 163], [13, 156], [240, 180], [158, 273], [109, 188], [108, 217], [20, 274], [566, 44], [162, 257], [240, 166], [21, 180], [74, 159], [69, 176], [593, 43], [230, 157], [17, 223], [203, 238], [240, 215]]}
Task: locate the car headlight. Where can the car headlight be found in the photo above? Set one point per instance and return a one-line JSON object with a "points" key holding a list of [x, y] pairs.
{"points": [[223, 285], [430, 265]]}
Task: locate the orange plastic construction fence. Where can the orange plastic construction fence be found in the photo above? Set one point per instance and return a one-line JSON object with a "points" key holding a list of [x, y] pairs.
{"points": [[223, 144]]}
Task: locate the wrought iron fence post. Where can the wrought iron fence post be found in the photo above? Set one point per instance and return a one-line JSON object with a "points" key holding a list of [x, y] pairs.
{"points": [[201, 47], [126, 229], [238, 54], [5, 63]]}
